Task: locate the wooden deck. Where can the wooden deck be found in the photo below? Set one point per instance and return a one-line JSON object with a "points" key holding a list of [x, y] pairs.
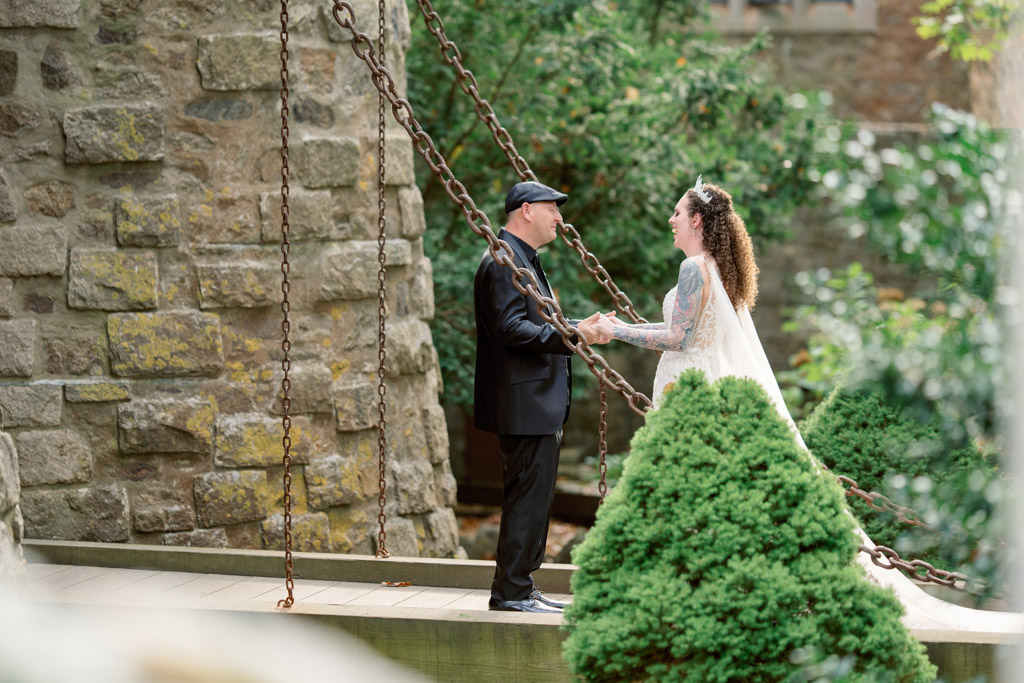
{"points": [[438, 626], [150, 588]]}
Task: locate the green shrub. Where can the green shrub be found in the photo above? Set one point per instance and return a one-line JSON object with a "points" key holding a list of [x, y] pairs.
{"points": [[878, 445], [722, 552]]}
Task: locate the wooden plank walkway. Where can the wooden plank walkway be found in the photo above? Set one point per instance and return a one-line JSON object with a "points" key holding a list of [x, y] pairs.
{"points": [[438, 626], [142, 587]]}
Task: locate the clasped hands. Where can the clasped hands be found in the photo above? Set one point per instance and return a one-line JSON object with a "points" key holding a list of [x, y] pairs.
{"points": [[599, 328]]}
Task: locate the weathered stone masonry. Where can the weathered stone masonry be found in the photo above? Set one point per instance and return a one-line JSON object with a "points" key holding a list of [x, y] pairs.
{"points": [[140, 322]]}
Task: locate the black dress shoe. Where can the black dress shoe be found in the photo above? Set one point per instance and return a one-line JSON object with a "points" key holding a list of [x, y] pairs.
{"points": [[528, 605], [539, 597]]}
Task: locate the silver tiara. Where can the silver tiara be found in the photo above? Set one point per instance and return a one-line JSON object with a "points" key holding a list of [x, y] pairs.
{"points": [[699, 189]]}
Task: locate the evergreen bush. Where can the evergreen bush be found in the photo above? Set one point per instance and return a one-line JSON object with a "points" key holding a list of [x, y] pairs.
{"points": [[869, 439], [722, 552]]}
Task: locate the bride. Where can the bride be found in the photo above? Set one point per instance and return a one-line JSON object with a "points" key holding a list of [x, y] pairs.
{"points": [[707, 325]]}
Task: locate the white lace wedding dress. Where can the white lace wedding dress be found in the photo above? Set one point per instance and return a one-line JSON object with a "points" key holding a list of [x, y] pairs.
{"points": [[725, 343]]}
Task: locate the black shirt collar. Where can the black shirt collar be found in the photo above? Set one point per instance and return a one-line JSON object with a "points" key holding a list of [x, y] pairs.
{"points": [[528, 251]]}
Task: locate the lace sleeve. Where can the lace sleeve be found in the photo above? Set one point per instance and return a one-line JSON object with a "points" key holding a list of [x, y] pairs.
{"points": [[676, 333]]}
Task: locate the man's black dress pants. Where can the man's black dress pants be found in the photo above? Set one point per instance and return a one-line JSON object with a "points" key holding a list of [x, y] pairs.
{"points": [[530, 464]]}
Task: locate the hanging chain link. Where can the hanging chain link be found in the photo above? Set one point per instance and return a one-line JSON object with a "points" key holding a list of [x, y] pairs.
{"points": [[879, 502], [887, 558], [286, 344], [456, 191], [467, 82], [502, 254], [602, 445], [382, 389]]}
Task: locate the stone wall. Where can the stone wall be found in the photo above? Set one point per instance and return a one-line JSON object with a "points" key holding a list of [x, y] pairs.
{"points": [[140, 280], [888, 76]]}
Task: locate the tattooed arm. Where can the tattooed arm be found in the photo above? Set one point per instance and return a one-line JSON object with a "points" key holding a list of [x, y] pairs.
{"points": [[675, 334]]}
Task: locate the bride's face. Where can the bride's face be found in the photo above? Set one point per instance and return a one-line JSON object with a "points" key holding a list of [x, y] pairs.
{"points": [[683, 233]]}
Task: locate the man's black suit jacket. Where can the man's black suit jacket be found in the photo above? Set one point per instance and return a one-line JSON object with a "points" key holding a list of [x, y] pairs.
{"points": [[522, 383]]}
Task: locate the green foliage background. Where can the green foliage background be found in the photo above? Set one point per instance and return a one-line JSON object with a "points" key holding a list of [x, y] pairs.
{"points": [[608, 104], [723, 553], [872, 440], [947, 210]]}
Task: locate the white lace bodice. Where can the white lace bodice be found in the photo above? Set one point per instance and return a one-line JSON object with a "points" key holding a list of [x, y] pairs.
{"points": [[702, 352]]}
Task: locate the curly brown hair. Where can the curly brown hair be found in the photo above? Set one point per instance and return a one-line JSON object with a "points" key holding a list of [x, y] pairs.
{"points": [[726, 239]]}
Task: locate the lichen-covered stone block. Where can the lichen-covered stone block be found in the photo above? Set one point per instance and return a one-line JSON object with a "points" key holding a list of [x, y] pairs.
{"points": [[334, 480], [15, 119], [6, 298], [10, 488], [240, 62], [435, 432], [147, 221], [237, 284], [58, 456], [310, 216], [8, 210], [350, 529], [442, 533], [401, 538], [230, 497], [224, 219], [167, 425], [349, 270], [96, 514], [421, 290], [413, 222], [100, 134], [445, 484], [75, 356], [413, 486], [330, 162], [356, 405], [197, 538], [112, 280], [97, 391], [18, 341], [162, 509], [31, 405], [409, 348], [54, 198], [399, 160], [56, 69], [310, 533], [168, 343], [38, 13], [33, 250], [312, 389], [255, 440]]}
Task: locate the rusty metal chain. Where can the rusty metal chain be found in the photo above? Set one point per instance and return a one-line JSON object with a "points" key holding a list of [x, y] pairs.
{"points": [[467, 82], [602, 445], [286, 344], [887, 558], [382, 389], [479, 223], [456, 191], [879, 502]]}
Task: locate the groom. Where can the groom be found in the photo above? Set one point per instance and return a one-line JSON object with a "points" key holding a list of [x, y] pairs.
{"points": [[521, 391]]}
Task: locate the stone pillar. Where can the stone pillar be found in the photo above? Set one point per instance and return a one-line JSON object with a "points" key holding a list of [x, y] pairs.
{"points": [[140, 280], [997, 87], [12, 562]]}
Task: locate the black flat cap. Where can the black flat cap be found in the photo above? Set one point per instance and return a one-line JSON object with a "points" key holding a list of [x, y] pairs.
{"points": [[530, 192]]}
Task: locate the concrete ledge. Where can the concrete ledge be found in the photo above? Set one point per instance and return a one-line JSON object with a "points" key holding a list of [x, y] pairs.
{"points": [[552, 578]]}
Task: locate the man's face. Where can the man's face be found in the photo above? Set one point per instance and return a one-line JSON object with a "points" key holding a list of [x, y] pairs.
{"points": [[544, 218]]}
